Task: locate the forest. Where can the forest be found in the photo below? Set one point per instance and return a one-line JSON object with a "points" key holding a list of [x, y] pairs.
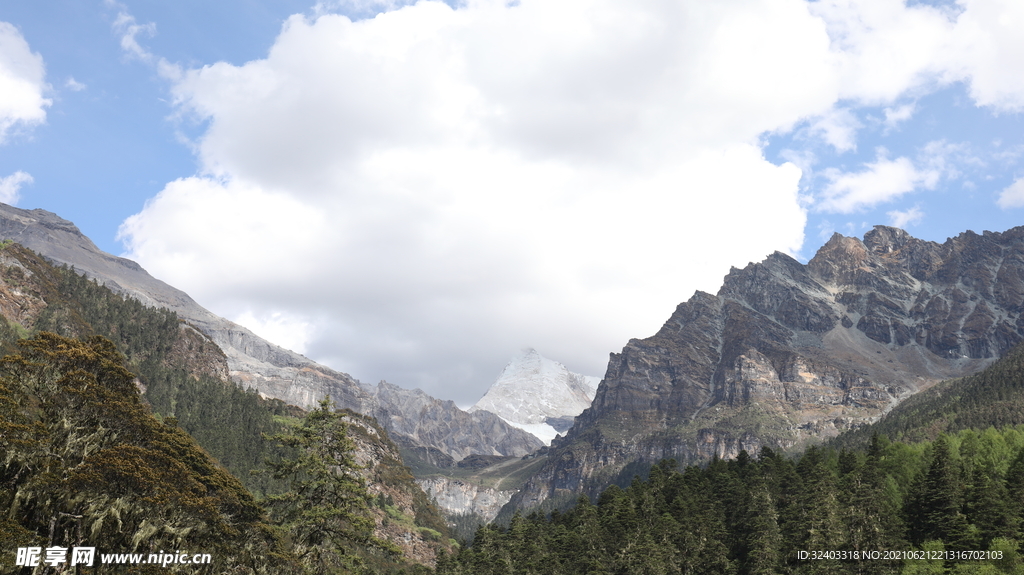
{"points": [[892, 508]]}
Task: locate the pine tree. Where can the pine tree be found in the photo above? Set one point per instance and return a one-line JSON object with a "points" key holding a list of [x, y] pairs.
{"points": [[936, 507], [764, 539], [871, 513], [326, 512]]}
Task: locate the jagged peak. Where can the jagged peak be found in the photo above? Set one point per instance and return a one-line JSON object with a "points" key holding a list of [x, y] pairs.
{"points": [[886, 239]]}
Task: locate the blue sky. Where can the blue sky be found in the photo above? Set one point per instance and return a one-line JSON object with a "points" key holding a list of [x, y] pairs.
{"points": [[415, 191]]}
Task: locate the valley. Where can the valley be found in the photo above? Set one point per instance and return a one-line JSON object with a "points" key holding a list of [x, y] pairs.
{"points": [[785, 357]]}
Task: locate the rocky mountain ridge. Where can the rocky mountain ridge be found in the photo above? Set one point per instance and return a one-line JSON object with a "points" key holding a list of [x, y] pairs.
{"points": [[256, 363], [788, 353], [538, 395]]}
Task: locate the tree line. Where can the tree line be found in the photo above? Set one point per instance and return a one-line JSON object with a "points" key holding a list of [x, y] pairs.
{"points": [[755, 515]]}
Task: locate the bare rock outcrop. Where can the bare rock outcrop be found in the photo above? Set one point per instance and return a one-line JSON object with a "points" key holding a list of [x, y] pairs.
{"points": [[458, 497]]}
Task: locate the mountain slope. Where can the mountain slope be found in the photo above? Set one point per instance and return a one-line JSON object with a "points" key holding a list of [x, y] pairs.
{"points": [[786, 353], [992, 397], [255, 363], [538, 394], [182, 376]]}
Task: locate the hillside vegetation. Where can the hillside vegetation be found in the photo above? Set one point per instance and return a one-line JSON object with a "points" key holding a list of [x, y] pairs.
{"points": [[84, 463], [960, 493]]}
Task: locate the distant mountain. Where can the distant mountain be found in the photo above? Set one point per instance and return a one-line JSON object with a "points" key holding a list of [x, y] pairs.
{"points": [[422, 424], [787, 354], [256, 363], [539, 395]]}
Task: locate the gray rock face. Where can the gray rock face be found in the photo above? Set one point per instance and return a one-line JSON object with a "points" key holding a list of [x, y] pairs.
{"points": [[787, 353], [459, 497], [424, 420], [256, 363]]}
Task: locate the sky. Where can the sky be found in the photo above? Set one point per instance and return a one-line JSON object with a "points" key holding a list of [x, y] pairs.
{"points": [[414, 192]]}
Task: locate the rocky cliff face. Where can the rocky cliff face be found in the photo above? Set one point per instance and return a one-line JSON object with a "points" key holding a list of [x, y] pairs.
{"points": [[538, 395], [787, 353], [461, 497], [256, 363]]}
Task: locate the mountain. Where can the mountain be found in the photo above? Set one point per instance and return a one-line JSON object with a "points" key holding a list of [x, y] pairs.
{"points": [[437, 431], [787, 354], [255, 363], [993, 397], [401, 512], [539, 395]]}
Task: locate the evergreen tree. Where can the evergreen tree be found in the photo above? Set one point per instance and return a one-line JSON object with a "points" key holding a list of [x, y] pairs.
{"points": [[702, 539], [872, 515], [823, 528], [936, 508], [988, 507], [763, 539], [325, 512], [1015, 494]]}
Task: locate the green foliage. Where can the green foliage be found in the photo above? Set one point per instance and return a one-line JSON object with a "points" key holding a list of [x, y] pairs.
{"points": [[84, 461], [962, 492], [326, 510]]}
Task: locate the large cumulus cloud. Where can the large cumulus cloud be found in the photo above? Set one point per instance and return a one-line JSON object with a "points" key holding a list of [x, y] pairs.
{"points": [[418, 195]]}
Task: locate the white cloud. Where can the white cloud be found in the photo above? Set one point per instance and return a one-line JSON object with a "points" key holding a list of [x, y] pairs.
{"points": [[904, 218], [128, 29], [838, 128], [126, 26], [880, 181], [893, 116], [554, 174], [74, 85], [884, 48], [1012, 196], [987, 49], [422, 193], [10, 187], [21, 82]]}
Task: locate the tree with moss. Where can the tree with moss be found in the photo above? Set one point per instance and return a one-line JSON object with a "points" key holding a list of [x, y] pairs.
{"points": [[326, 511], [84, 463]]}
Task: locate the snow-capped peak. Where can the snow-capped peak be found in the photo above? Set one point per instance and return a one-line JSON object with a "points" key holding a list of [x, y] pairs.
{"points": [[533, 391]]}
